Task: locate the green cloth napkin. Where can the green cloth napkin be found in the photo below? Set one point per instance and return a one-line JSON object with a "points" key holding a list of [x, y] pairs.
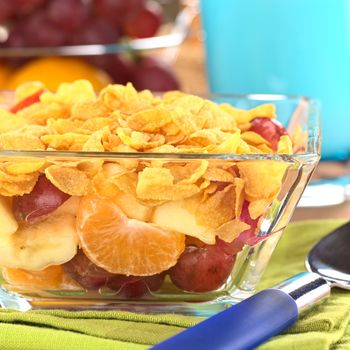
{"points": [[326, 326]]}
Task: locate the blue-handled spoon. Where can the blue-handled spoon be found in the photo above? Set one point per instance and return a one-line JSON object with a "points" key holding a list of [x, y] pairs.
{"points": [[258, 318]]}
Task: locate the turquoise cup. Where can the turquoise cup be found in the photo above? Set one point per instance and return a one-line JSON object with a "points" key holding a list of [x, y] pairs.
{"points": [[294, 47]]}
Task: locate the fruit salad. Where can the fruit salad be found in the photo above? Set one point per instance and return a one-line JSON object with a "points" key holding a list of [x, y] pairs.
{"points": [[131, 193]]}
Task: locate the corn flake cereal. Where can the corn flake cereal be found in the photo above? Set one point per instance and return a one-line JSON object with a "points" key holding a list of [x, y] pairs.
{"points": [[210, 192], [69, 180], [20, 142]]}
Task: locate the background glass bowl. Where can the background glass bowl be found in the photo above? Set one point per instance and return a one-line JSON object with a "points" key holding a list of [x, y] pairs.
{"points": [[252, 252]]}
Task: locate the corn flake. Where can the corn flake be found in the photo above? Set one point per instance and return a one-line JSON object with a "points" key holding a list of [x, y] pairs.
{"points": [[68, 141], [158, 184], [140, 140], [231, 230], [69, 180], [285, 145], [28, 89], [17, 185], [24, 167], [79, 91], [217, 209], [10, 121], [263, 179], [149, 120], [20, 142]]}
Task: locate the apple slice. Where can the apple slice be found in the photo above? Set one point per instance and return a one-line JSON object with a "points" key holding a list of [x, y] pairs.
{"points": [[132, 208], [9, 224], [173, 215]]}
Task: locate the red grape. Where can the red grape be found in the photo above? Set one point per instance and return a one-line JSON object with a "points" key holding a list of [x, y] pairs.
{"points": [[16, 37], [68, 14], [202, 269], [269, 129], [26, 7], [86, 273], [6, 10], [42, 33], [140, 287], [92, 277], [118, 68], [117, 11], [145, 22], [247, 237], [154, 75], [95, 31], [44, 199]]}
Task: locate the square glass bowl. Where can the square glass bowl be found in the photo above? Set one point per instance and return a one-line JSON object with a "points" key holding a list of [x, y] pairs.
{"points": [[214, 274]]}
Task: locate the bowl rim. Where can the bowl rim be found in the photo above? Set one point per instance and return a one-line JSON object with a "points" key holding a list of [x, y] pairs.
{"points": [[313, 138]]}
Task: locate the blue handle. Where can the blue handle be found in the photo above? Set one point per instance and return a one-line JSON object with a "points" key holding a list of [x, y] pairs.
{"points": [[242, 326]]}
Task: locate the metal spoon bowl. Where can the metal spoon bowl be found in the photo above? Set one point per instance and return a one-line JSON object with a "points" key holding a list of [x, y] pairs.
{"points": [[330, 257]]}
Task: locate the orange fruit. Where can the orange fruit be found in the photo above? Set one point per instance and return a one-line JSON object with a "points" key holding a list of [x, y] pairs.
{"points": [[125, 246], [5, 73], [52, 71], [53, 277]]}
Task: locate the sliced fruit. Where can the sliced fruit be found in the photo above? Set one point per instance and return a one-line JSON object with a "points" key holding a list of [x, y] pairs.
{"points": [[44, 199], [70, 206], [9, 224], [27, 101], [53, 70], [269, 129], [53, 277], [202, 269], [139, 288], [132, 208], [35, 247], [92, 277], [175, 216], [86, 273], [125, 246]]}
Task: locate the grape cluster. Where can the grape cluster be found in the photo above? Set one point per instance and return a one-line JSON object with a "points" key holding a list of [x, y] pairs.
{"points": [[50, 23], [47, 23]]}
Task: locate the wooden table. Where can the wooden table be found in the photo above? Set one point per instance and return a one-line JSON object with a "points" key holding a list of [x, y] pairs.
{"points": [[190, 68]]}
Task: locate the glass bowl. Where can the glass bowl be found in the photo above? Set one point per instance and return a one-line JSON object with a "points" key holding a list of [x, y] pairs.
{"points": [[237, 258]]}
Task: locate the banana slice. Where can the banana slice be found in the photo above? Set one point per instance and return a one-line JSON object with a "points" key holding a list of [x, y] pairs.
{"points": [[8, 222], [35, 247]]}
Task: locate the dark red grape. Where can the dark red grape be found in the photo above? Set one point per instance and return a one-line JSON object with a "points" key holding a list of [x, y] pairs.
{"points": [[67, 14], [86, 273], [117, 11], [140, 287], [6, 10], [26, 7], [202, 269], [118, 68], [152, 74], [247, 237], [145, 22], [95, 31], [269, 129], [44, 199], [92, 277], [16, 37], [39, 32]]}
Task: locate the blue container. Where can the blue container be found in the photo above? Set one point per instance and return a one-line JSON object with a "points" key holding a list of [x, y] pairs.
{"points": [[295, 47]]}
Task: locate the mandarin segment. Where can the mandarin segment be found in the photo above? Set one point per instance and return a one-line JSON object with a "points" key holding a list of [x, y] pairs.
{"points": [[125, 246], [51, 278]]}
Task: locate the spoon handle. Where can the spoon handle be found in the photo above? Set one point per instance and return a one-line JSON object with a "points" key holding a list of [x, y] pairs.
{"points": [[254, 320]]}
